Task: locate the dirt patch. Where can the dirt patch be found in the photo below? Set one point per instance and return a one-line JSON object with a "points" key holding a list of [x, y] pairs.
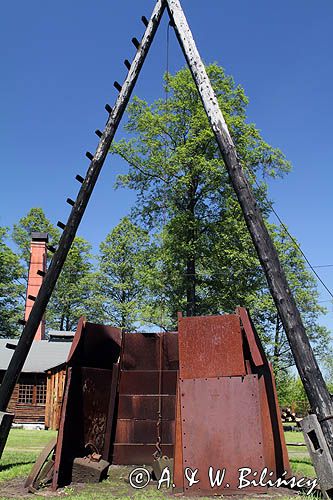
{"points": [[117, 487]]}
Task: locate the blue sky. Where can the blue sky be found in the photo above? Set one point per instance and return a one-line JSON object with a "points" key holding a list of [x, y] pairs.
{"points": [[59, 61]]}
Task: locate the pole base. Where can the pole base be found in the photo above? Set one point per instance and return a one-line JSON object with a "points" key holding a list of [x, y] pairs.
{"points": [[6, 420], [319, 453]]}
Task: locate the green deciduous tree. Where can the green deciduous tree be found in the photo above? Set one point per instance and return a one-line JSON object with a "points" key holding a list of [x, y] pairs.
{"points": [[123, 263], [202, 257], [12, 291], [184, 194], [72, 295]]}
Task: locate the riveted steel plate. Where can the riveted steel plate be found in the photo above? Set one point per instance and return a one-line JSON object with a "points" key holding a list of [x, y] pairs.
{"points": [[210, 346], [147, 382], [221, 428]]}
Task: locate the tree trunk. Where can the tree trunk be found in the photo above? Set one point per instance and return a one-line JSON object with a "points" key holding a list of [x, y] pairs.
{"points": [[62, 321], [191, 306]]}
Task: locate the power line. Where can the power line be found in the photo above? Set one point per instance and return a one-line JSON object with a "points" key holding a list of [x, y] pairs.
{"points": [[293, 239], [324, 265]]}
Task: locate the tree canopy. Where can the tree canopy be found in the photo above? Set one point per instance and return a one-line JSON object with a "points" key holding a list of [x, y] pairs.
{"points": [[184, 246], [12, 291], [202, 257]]}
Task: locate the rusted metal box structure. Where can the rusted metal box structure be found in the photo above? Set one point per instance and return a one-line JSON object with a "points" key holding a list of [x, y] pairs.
{"points": [[227, 410], [207, 392], [147, 383]]}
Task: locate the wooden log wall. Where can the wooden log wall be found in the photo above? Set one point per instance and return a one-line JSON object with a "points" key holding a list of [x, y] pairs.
{"points": [[32, 413], [54, 395]]}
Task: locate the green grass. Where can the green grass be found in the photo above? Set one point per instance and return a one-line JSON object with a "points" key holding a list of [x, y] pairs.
{"points": [[24, 446], [21, 451], [298, 455]]}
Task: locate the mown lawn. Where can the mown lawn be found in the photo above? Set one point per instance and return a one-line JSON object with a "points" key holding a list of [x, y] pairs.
{"points": [[24, 446], [298, 455], [21, 451]]}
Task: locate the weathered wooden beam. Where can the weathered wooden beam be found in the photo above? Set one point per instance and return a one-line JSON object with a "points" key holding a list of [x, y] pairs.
{"points": [[38, 309], [306, 363]]}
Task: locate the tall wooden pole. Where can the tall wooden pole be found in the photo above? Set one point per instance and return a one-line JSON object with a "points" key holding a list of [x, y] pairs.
{"points": [[306, 363], [97, 161]]}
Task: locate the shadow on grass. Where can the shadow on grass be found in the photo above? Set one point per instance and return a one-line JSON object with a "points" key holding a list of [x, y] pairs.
{"points": [[15, 464]]}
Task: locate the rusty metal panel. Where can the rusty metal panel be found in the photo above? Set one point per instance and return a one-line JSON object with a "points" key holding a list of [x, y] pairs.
{"points": [[145, 407], [275, 449], [95, 400], [138, 454], [100, 347], [257, 352], [94, 345], [143, 431], [112, 414], [146, 382], [141, 351], [35, 473], [210, 346], [178, 475], [221, 427], [77, 339], [170, 351], [84, 418]]}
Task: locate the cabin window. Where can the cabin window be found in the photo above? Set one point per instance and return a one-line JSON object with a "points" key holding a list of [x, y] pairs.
{"points": [[25, 393], [32, 394], [41, 394]]}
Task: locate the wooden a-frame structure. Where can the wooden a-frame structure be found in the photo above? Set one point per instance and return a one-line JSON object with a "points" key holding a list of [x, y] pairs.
{"points": [[306, 363]]}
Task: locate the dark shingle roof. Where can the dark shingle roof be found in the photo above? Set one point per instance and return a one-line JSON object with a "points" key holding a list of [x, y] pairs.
{"points": [[42, 356]]}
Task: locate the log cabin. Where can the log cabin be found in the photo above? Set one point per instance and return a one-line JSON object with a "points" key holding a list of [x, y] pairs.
{"points": [[37, 397]]}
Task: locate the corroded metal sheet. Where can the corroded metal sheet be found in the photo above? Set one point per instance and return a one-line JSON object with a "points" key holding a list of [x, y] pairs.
{"points": [[146, 407], [85, 416], [95, 402], [150, 351], [275, 449], [63, 456], [221, 428], [210, 346], [77, 339], [143, 431], [257, 352], [178, 476], [147, 382], [97, 346]]}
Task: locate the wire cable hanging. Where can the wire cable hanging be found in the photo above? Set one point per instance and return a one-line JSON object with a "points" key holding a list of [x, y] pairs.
{"points": [[294, 241], [158, 453]]}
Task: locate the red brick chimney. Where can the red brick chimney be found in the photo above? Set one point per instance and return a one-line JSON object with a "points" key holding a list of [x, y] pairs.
{"points": [[38, 253]]}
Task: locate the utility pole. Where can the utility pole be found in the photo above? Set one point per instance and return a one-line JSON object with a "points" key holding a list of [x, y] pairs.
{"points": [[69, 229], [314, 384], [306, 363]]}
